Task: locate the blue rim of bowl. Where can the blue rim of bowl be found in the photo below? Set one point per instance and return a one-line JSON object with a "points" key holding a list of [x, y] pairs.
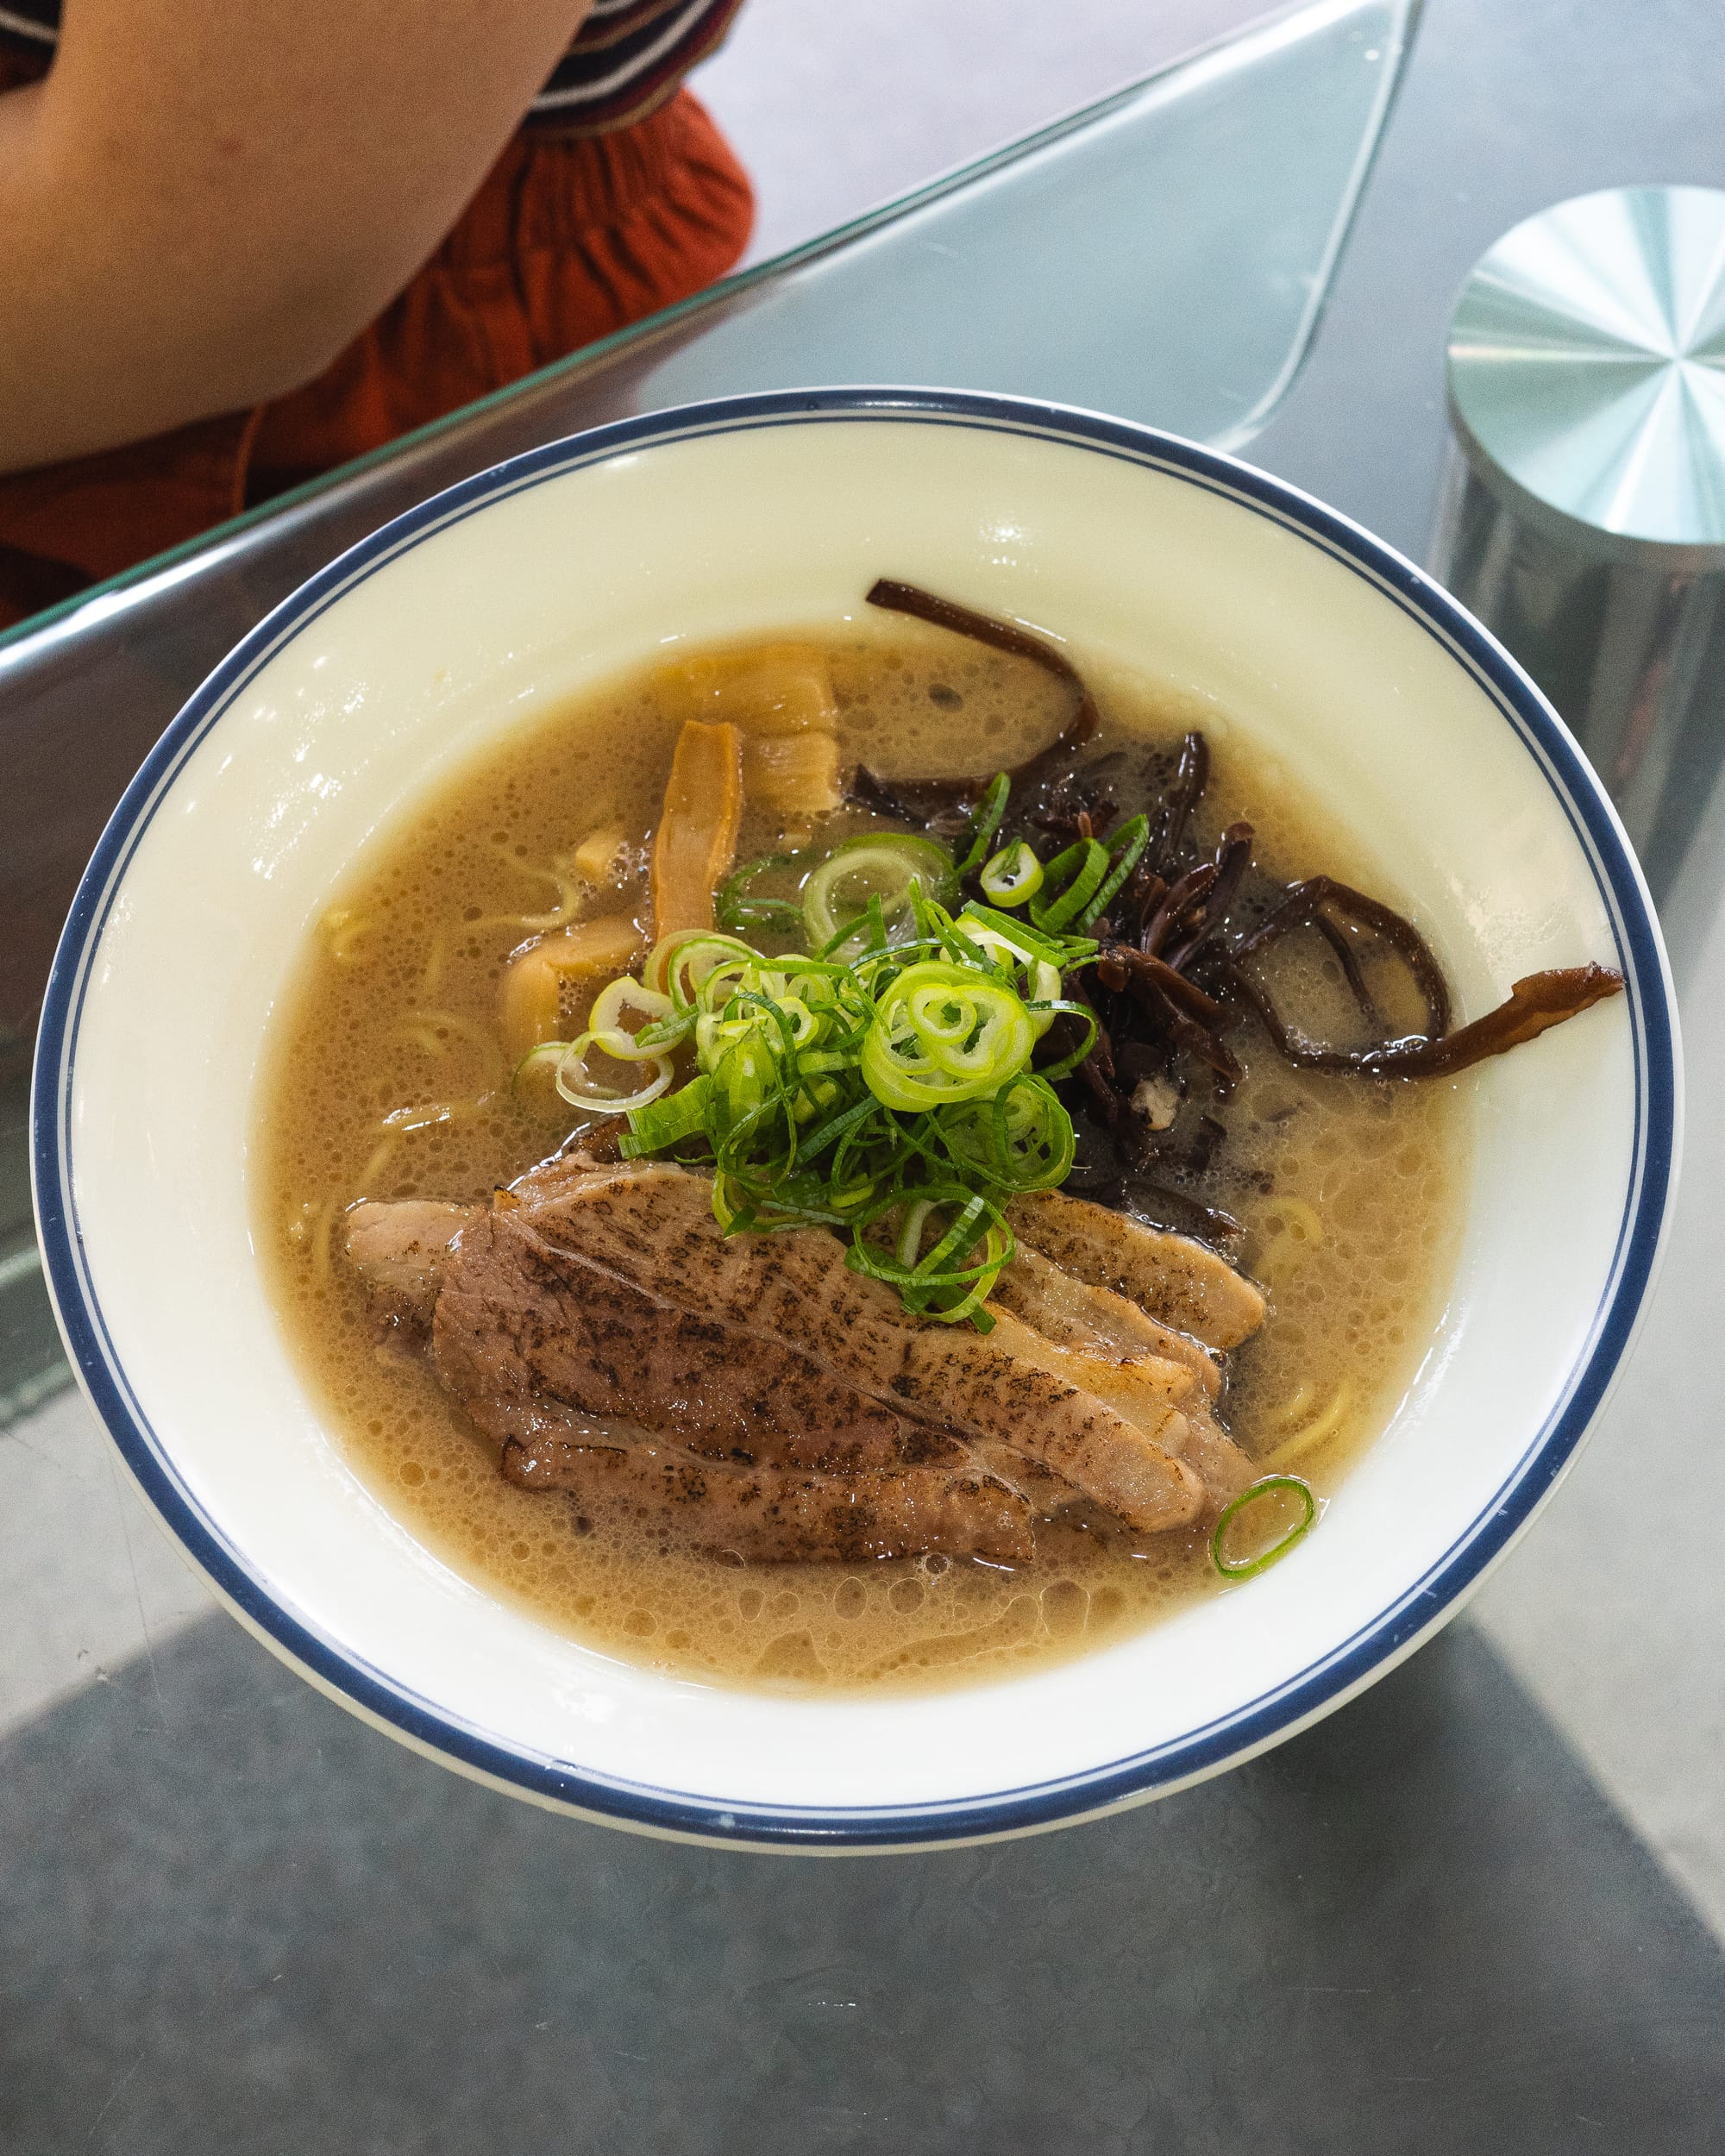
{"points": [[1346, 1667]]}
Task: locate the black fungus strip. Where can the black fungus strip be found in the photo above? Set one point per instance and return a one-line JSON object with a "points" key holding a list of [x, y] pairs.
{"points": [[1119, 966], [1159, 1206], [1342, 944], [1193, 1018], [1302, 907], [1191, 776], [1001, 635], [1234, 858], [1535, 1004], [1175, 903], [1169, 982]]}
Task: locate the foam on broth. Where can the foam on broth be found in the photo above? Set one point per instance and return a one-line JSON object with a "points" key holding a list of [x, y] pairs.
{"points": [[1349, 1191]]}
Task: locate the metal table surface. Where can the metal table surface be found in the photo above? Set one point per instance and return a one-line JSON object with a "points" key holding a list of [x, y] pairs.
{"points": [[1478, 1909]]}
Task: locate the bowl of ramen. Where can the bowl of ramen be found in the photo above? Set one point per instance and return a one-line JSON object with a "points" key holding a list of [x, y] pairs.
{"points": [[855, 1119]]}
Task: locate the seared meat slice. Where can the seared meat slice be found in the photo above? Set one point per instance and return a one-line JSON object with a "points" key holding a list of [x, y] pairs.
{"points": [[1124, 1452], [1145, 1389], [775, 1514], [1172, 1277], [653, 1228], [1218, 1462], [402, 1249], [597, 1309], [1098, 1327], [403, 1245], [522, 1326], [1073, 1314]]}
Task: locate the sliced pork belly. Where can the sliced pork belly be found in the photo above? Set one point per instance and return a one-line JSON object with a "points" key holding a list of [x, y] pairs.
{"points": [[1170, 1276], [598, 1308], [401, 1249], [1145, 1389], [521, 1325], [775, 1513], [1073, 1314], [653, 1228], [1222, 1467]]}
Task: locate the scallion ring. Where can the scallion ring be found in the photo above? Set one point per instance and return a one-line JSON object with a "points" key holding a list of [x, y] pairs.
{"points": [[1014, 876], [679, 966], [581, 1090], [943, 1033], [1080, 870], [1036, 978], [546, 1051], [886, 866], [606, 1030], [1267, 1487], [737, 908]]}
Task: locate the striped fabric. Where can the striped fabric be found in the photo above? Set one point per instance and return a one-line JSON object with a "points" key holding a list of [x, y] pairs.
{"points": [[626, 59]]}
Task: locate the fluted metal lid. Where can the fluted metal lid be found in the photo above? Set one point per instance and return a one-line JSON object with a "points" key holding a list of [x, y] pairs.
{"points": [[1587, 362]]}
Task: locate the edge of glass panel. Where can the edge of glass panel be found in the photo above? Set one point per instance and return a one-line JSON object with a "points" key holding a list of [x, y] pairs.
{"points": [[1405, 22], [1281, 28]]}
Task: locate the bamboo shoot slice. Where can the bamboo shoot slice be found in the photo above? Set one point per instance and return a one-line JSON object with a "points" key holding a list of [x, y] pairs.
{"points": [[774, 689], [696, 844], [531, 999], [795, 773]]}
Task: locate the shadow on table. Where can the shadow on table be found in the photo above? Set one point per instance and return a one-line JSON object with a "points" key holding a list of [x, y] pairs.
{"points": [[236, 1919]]}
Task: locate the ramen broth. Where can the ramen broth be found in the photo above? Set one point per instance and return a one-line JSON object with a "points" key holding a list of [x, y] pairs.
{"points": [[388, 1079]]}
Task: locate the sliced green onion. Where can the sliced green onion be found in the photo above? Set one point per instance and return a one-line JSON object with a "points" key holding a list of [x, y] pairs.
{"points": [[864, 938], [736, 906], [1014, 876], [678, 964], [1126, 846], [985, 821], [679, 1116], [1265, 1487], [581, 1090], [1024, 954], [1022, 1139], [1047, 1013], [545, 1051], [910, 1236], [883, 1081], [1036, 978], [605, 1025], [1077, 875], [887, 866], [1063, 951], [944, 1033], [952, 1280]]}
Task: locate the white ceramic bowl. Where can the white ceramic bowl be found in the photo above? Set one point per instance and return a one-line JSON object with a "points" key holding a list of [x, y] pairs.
{"points": [[465, 617]]}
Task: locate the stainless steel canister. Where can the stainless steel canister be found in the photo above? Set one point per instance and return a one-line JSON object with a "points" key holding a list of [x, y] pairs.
{"points": [[1583, 515]]}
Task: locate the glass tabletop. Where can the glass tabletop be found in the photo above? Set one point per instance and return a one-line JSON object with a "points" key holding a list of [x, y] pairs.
{"points": [[1477, 1909]]}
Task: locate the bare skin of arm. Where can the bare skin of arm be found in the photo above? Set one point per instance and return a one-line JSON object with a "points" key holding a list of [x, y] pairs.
{"points": [[200, 206]]}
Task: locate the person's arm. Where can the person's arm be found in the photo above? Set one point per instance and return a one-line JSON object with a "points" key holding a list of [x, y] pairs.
{"points": [[202, 204]]}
